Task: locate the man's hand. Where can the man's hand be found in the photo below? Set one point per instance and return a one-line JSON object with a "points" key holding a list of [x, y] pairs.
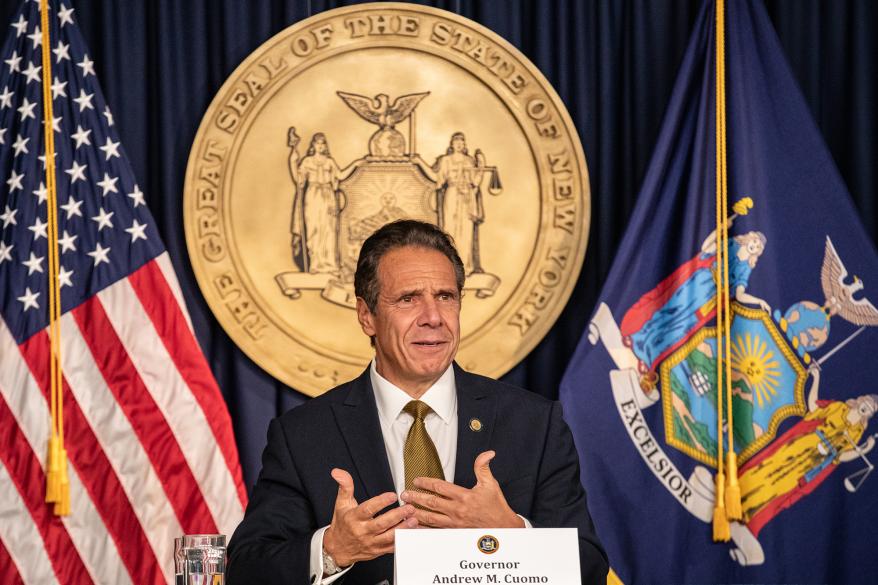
{"points": [[451, 506], [355, 533]]}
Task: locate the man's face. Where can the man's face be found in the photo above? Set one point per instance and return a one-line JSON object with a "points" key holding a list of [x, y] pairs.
{"points": [[416, 323]]}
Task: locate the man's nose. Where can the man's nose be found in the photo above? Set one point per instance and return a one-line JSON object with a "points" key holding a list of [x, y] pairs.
{"points": [[430, 315]]}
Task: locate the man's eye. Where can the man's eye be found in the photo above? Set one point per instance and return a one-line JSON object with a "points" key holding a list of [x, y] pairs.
{"points": [[407, 299]]}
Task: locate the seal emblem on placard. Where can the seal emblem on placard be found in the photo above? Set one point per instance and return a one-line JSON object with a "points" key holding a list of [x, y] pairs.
{"points": [[360, 116], [488, 544]]}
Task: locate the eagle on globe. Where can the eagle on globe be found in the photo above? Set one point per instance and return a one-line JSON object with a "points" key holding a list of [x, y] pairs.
{"points": [[807, 322], [387, 141]]}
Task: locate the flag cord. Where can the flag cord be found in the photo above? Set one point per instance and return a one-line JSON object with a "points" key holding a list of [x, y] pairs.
{"points": [[721, 528], [733, 489], [57, 480]]}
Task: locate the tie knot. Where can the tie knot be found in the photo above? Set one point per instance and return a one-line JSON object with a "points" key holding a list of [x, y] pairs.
{"points": [[417, 409]]}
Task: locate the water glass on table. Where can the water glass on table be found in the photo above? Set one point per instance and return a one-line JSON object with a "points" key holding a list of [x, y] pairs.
{"points": [[200, 559]]}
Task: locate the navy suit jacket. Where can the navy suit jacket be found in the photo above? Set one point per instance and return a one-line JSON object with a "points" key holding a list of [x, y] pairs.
{"points": [[536, 465]]}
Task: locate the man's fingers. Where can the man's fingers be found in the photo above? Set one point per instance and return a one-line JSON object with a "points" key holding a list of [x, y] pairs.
{"points": [[482, 467], [391, 518], [440, 486], [383, 543], [345, 487], [428, 518], [383, 549], [372, 506], [431, 501], [386, 538]]}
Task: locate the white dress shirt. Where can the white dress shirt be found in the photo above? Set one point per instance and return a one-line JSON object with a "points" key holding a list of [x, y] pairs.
{"points": [[441, 425]]}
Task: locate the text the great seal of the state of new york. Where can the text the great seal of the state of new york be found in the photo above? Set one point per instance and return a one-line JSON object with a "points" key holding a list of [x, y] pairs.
{"points": [[363, 115]]}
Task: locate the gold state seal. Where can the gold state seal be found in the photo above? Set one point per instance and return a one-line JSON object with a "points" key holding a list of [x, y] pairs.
{"points": [[359, 116]]}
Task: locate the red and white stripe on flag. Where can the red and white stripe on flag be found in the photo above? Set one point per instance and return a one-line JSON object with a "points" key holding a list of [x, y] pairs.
{"points": [[152, 454], [149, 440]]}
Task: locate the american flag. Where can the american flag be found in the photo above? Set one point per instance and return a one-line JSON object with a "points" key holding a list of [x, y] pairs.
{"points": [[149, 439]]}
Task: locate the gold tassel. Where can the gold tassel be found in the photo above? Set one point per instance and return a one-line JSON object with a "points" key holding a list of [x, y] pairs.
{"points": [[52, 477], [733, 488], [722, 532], [62, 505]]}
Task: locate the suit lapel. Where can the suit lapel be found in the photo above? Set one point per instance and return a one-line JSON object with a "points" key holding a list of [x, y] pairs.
{"points": [[357, 419], [475, 402]]}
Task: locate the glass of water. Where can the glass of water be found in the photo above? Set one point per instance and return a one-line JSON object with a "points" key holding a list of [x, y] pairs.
{"points": [[203, 559]]}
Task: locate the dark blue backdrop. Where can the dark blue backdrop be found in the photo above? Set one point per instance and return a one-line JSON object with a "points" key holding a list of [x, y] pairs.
{"points": [[613, 62]]}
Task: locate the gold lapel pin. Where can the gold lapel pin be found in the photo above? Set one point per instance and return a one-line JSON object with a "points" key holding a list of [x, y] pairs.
{"points": [[475, 425]]}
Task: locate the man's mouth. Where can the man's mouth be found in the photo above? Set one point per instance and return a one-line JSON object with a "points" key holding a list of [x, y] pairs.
{"points": [[429, 343]]}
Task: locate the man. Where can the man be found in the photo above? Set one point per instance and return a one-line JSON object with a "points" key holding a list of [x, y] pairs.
{"points": [[414, 441]]}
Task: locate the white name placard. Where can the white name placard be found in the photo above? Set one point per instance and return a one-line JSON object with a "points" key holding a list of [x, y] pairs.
{"points": [[487, 556]]}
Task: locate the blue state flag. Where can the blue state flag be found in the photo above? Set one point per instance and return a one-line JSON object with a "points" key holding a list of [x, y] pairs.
{"points": [[640, 392]]}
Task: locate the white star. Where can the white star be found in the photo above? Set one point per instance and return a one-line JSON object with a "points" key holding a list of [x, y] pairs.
{"points": [[137, 231], [13, 62], [108, 184], [34, 263], [103, 219], [27, 110], [72, 208], [32, 72], [137, 196], [14, 181], [67, 242], [81, 136], [87, 66], [8, 217], [100, 254], [2, 135], [56, 123], [29, 299], [108, 115], [76, 172], [6, 98], [84, 100], [42, 158], [5, 252], [58, 88], [19, 26], [36, 37], [39, 229], [111, 148], [65, 15], [41, 193], [61, 51], [20, 145], [64, 277]]}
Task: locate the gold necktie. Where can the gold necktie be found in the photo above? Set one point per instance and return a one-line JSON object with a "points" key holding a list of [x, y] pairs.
{"points": [[419, 454]]}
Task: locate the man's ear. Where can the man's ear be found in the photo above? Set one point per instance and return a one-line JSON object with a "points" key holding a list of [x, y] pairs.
{"points": [[365, 317]]}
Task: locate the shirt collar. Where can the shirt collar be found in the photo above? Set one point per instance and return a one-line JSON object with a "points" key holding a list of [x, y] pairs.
{"points": [[441, 397]]}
